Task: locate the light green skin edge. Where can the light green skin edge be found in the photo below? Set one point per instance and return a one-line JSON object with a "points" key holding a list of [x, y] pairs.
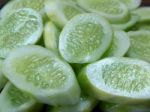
{"points": [[6, 104], [119, 46], [132, 4], [114, 19], [51, 36], [125, 26], [86, 104], [139, 49], [56, 10], [90, 88], [69, 92]]}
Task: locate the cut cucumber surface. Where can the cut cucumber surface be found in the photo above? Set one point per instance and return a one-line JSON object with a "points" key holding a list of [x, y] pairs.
{"points": [[61, 12], [85, 38], [118, 80], [132, 4], [3, 80], [51, 36], [120, 44], [143, 12], [86, 104], [41, 73], [14, 100], [125, 26], [140, 45], [37, 5], [114, 10], [21, 27]]}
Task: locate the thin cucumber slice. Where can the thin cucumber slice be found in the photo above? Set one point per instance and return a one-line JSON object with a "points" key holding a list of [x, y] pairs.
{"points": [[110, 107], [142, 26], [132, 4], [86, 104], [14, 100], [125, 26], [143, 12], [3, 80], [61, 12], [21, 27], [41, 73], [140, 45], [118, 80], [114, 10], [120, 44], [85, 38], [51, 36], [37, 5]]}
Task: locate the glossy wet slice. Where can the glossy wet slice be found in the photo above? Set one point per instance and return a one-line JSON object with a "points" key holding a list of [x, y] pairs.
{"points": [[118, 80], [43, 74], [85, 38], [21, 27], [114, 10]]}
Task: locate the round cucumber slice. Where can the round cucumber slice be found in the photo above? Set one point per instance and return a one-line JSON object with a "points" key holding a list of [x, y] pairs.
{"points": [[14, 100], [51, 36], [37, 5], [120, 44], [2, 78], [125, 26], [132, 4], [61, 12], [85, 38], [140, 45], [21, 27], [118, 80], [114, 10], [86, 104], [41, 73], [143, 12]]}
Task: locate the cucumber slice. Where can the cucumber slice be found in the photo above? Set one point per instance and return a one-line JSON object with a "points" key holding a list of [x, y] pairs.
{"points": [[85, 38], [114, 10], [41, 73], [37, 5], [120, 44], [2, 78], [140, 45], [125, 26], [61, 12], [132, 4], [118, 80], [21, 27], [51, 36], [143, 12], [14, 100], [86, 104], [142, 26]]}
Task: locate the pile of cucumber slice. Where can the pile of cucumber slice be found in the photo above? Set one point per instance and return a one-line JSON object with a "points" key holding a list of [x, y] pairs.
{"points": [[74, 56]]}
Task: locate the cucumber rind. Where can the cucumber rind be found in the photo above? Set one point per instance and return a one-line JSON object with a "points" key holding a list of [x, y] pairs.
{"points": [[97, 53], [133, 4], [69, 92]]}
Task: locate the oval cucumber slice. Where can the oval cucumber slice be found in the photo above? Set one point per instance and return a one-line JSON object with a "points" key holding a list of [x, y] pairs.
{"points": [[143, 12], [61, 12], [3, 80], [37, 5], [21, 27], [132, 4], [14, 100], [120, 44], [125, 26], [85, 38], [118, 80], [140, 45], [41, 73], [51, 36], [114, 10], [86, 104]]}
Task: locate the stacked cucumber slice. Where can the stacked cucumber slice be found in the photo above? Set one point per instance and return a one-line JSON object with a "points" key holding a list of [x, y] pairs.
{"points": [[74, 55]]}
